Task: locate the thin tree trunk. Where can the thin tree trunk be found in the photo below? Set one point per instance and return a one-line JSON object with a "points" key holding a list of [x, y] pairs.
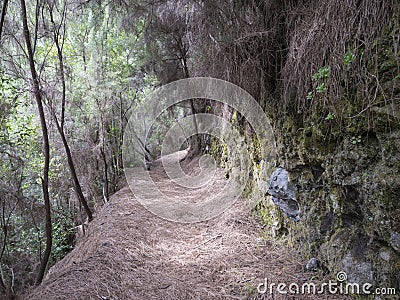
{"points": [[195, 141], [3, 248], [77, 185], [3, 16], [46, 147], [105, 185], [60, 125]]}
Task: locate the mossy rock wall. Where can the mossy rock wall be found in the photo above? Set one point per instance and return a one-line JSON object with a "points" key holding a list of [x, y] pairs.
{"points": [[347, 172], [349, 198], [348, 179]]}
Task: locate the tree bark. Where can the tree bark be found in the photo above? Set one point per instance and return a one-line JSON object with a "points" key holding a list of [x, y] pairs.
{"points": [[46, 147]]}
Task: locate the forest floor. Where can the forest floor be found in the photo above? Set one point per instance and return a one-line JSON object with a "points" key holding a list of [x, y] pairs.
{"points": [[129, 253]]}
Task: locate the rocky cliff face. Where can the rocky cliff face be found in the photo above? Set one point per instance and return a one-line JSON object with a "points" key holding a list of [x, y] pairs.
{"points": [[346, 174], [348, 182], [348, 193]]}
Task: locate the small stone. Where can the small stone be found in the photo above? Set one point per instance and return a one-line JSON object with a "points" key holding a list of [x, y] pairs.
{"points": [[395, 241], [313, 265], [385, 255]]}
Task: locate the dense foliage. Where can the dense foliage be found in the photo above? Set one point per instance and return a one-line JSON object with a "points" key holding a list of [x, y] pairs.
{"points": [[90, 72]]}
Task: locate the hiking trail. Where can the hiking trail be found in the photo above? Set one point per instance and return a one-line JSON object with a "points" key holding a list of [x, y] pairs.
{"points": [[130, 253]]}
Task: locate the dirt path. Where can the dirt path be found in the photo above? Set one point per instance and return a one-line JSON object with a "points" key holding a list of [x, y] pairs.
{"points": [[129, 253]]}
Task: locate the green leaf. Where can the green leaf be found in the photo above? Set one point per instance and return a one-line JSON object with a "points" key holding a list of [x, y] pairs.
{"points": [[321, 88], [329, 116], [322, 73], [348, 58]]}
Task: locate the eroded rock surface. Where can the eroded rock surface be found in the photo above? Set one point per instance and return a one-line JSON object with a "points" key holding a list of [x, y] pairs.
{"points": [[283, 193]]}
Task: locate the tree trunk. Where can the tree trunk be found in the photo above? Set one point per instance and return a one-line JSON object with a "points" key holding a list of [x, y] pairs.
{"points": [[3, 286], [194, 141], [60, 125], [46, 147], [105, 184], [3, 16], [77, 185]]}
